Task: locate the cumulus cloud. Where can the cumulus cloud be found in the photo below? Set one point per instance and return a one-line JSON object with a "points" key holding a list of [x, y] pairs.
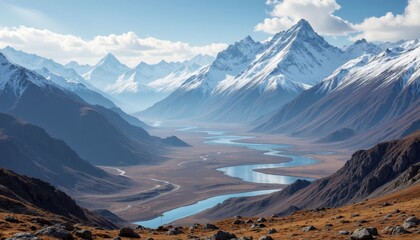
{"points": [[128, 46], [320, 13], [392, 27]]}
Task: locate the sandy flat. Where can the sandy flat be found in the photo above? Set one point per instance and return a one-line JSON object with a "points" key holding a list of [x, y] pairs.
{"points": [[189, 174]]}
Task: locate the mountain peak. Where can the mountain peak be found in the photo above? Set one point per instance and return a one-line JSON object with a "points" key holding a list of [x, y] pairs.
{"points": [[303, 22], [109, 58], [303, 26], [361, 47], [247, 39], [9, 48], [360, 41], [163, 62]]}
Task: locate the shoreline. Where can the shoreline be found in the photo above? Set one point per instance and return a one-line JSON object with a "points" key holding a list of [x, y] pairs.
{"points": [[184, 166]]}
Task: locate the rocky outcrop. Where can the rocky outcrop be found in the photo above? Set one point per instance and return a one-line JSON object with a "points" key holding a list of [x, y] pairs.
{"points": [[25, 195]]}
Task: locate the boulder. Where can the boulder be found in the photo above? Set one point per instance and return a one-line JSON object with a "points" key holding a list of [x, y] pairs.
{"points": [[210, 226], [128, 233], [221, 235], [11, 219], [308, 228], [23, 236], [395, 230], [173, 231], [85, 234], [55, 231], [364, 234], [65, 225], [258, 225], [343, 232], [265, 238], [411, 222], [237, 221]]}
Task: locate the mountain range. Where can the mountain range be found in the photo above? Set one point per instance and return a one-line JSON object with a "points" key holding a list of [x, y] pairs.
{"points": [[110, 83], [372, 97], [57, 73], [97, 134], [145, 84], [251, 79]]}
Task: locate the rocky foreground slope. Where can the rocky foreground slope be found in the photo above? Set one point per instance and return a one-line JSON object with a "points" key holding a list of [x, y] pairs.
{"points": [[393, 216], [38, 200]]}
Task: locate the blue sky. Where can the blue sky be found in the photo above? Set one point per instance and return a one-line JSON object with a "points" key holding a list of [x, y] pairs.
{"points": [[194, 22]]}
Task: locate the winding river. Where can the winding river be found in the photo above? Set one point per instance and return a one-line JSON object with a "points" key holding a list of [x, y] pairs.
{"points": [[244, 172]]}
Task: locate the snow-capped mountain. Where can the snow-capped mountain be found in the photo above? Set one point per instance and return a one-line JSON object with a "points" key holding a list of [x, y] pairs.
{"points": [[227, 65], [90, 96], [10, 81], [64, 77], [406, 44], [79, 68], [35, 62], [373, 96], [98, 134], [298, 54], [140, 87], [175, 79], [105, 72], [189, 97], [250, 79], [361, 47], [200, 59]]}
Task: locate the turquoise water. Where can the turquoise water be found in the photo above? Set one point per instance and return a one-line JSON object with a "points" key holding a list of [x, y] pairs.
{"points": [[200, 206], [247, 173], [244, 172]]}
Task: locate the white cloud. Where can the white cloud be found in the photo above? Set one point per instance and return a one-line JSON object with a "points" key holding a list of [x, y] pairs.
{"points": [[128, 46], [320, 13], [392, 27]]}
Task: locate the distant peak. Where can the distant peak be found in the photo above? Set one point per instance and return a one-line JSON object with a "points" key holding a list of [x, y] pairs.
{"points": [[303, 24], [142, 65], [360, 41], [247, 39], [8, 48], [303, 28], [108, 58]]}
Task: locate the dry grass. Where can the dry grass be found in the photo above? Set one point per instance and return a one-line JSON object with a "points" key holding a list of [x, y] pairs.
{"points": [[290, 227]]}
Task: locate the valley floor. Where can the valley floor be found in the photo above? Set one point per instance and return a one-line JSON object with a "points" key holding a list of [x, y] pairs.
{"points": [[189, 174]]}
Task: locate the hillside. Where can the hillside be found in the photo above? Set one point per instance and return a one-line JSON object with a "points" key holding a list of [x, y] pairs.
{"points": [[97, 134], [382, 169], [374, 97], [380, 213], [35, 198], [29, 150]]}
